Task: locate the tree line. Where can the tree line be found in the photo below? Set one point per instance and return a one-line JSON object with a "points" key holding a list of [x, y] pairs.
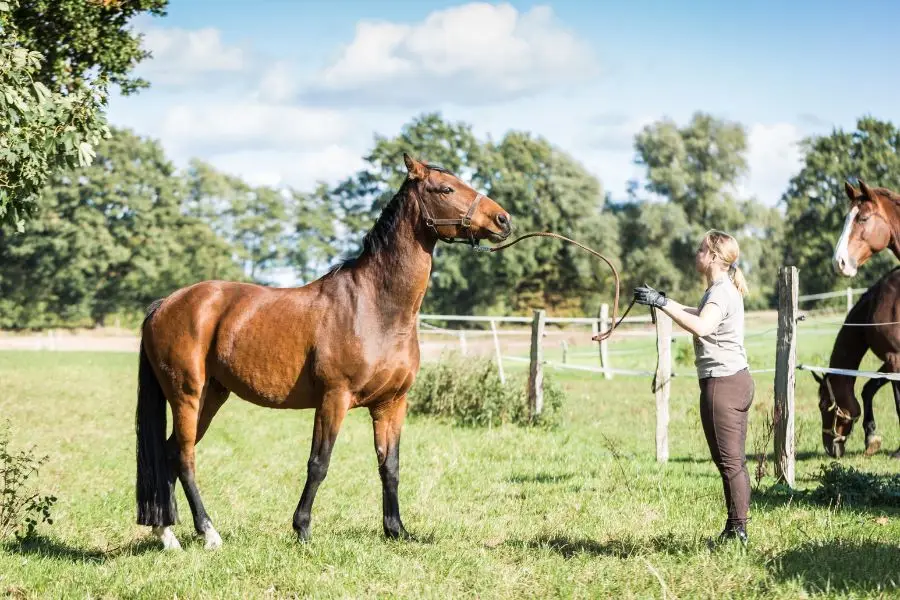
{"points": [[96, 222]]}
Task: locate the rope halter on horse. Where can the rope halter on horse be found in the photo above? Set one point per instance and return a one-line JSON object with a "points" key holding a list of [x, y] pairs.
{"points": [[839, 413], [465, 222]]}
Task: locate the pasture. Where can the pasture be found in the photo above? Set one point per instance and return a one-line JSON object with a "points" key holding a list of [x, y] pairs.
{"points": [[580, 511]]}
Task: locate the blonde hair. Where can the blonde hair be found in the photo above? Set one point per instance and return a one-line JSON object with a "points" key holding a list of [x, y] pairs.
{"points": [[725, 248]]}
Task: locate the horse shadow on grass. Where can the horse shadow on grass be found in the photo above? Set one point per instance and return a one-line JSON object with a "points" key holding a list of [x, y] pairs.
{"points": [[47, 547], [625, 548], [840, 566]]}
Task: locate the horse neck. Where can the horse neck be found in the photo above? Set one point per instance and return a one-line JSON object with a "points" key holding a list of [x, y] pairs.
{"points": [[850, 346], [399, 267], [893, 210]]}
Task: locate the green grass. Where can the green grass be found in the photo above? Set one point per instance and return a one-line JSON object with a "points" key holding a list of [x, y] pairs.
{"points": [[582, 511]]}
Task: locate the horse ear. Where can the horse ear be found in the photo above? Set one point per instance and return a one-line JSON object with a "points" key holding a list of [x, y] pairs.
{"points": [[852, 192], [414, 168], [865, 190]]}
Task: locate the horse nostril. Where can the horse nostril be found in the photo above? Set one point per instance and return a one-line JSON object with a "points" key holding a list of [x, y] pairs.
{"points": [[503, 220]]}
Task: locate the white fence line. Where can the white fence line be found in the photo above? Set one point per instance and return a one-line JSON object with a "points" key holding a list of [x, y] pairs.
{"points": [[852, 373], [501, 319]]}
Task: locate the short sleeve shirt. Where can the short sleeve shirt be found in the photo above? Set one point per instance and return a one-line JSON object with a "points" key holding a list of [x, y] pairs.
{"points": [[722, 353]]}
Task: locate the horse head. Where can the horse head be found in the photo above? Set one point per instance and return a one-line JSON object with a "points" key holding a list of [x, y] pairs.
{"points": [[868, 227], [452, 209], [839, 409]]}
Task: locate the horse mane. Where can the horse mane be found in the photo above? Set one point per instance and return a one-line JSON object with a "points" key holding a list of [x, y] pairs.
{"points": [[887, 193], [380, 236]]}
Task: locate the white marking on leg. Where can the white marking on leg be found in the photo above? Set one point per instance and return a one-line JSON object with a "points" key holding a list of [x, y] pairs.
{"points": [[167, 537], [213, 541], [841, 259]]}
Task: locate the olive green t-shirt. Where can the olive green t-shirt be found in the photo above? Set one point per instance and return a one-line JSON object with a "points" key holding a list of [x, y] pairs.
{"points": [[722, 352]]}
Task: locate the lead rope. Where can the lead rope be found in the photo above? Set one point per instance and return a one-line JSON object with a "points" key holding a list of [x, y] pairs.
{"points": [[601, 336]]}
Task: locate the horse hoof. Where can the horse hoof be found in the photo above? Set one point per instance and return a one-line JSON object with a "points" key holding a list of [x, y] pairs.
{"points": [[398, 534], [213, 540], [873, 445], [167, 537]]}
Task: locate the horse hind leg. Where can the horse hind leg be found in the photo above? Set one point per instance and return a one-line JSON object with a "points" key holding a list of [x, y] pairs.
{"points": [[896, 386], [192, 414]]}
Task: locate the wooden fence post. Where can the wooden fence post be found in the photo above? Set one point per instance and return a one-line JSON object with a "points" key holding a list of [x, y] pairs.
{"points": [[497, 352], [785, 363], [463, 348], [604, 345], [565, 351], [849, 298], [536, 373], [662, 383]]}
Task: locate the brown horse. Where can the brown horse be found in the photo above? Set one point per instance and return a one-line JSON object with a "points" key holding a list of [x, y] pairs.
{"points": [[344, 341], [871, 225], [859, 334]]}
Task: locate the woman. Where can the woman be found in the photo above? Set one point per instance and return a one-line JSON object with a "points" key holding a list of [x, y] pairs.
{"points": [[726, 387]]}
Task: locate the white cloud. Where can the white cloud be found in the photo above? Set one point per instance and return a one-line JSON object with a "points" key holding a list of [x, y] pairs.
{"points": [[302, 170], [774, 157], [475, 53], [180, 56], [204, 128]]}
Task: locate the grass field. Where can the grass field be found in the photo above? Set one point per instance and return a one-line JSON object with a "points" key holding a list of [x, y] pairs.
{"points": [[581, 511]]}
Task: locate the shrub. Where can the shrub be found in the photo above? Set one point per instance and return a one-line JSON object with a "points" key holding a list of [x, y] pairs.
{"points": [[468, 392], [21, 507], [856, 488]]}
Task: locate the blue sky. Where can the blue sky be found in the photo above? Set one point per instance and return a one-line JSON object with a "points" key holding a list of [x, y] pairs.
{"points": [[282, 91]]}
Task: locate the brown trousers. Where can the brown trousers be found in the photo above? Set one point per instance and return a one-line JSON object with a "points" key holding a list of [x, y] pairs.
{"points": [[724, 402]]}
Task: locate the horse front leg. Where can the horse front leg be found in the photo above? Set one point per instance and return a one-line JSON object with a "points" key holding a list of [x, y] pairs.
{"points": [[873, 441], [387, 421], [329, 417]]}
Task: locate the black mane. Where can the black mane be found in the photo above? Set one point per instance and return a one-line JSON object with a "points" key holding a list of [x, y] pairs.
{"points": [[382, 233]]}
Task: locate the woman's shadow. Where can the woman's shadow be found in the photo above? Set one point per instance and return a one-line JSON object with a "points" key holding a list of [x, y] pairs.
{"points": [[841, 566]]}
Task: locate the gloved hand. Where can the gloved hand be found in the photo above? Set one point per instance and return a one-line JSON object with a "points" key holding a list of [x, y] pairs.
{"points": [[647, 296]]}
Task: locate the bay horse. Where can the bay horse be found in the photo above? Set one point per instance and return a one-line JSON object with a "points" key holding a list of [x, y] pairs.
{"points": [[343, 341], [872, 224], [859, 334]]}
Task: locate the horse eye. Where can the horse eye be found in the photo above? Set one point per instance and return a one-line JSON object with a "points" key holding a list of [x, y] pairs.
{"points": [[863, 219], [445, 190]]}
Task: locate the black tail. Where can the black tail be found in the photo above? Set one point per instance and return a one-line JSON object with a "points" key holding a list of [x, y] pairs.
{"points": [[155, 480]]}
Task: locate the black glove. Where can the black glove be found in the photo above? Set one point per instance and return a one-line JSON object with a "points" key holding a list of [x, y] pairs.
{"points": [[647, 296]]}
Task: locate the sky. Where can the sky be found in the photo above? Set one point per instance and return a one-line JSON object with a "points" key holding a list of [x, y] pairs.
{"points": [[293, 91]]}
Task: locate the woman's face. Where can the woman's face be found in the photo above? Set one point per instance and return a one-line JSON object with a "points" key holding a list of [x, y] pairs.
{"points": [[703, 258]]}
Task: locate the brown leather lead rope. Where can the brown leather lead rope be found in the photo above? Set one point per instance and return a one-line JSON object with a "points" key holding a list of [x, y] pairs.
{"points": [[601, 336]]}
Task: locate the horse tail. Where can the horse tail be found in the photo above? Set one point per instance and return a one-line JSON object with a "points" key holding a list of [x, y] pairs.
{"points": [[155, 483]]}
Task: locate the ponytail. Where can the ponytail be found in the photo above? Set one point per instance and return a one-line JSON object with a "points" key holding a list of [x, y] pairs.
{"points": [[737, 277]]}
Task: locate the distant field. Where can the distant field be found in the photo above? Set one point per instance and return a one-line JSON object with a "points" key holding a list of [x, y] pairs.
{"points": [[582, 511]]}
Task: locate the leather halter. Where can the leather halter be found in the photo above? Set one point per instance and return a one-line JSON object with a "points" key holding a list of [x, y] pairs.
{"points": [[465, 222], [838, 413]]}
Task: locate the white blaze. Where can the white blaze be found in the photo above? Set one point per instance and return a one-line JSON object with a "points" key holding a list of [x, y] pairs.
{"points": [[841, 257]]}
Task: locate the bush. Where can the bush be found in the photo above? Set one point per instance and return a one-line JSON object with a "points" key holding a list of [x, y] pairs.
{"points": [[468, 392], [21, 508], [839, 483]]}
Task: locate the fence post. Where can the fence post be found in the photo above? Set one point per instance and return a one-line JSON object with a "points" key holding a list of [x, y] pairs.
{"points": [[662, 383], [604, 344], [463, 348], [536, 373], [785, 363], [565, 351], [497, 351], [849, 298]]}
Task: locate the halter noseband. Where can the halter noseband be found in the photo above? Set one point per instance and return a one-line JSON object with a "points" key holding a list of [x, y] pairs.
{"points": [[838, 413], [464, 222]]}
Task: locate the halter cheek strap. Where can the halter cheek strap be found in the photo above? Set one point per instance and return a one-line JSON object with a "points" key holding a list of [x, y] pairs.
{"points": [[465, 222], [838, 413]]}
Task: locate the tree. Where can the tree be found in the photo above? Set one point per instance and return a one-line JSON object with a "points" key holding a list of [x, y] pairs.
{"points": [[696, 168], [253, 220], [816, 204], [110, 239], [56, 58], [77, 37]]}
